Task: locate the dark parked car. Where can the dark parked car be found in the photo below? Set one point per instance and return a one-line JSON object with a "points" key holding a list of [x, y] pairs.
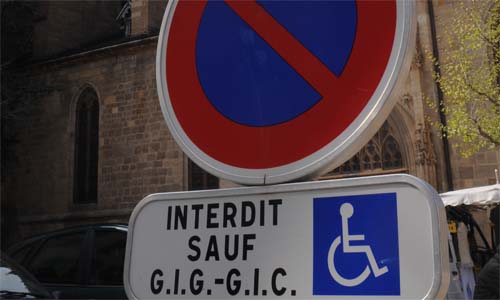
{"points": [[17, 283], [83, 262]]}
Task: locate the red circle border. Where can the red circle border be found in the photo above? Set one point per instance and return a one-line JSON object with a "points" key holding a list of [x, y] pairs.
{"points": [[274, 146]]}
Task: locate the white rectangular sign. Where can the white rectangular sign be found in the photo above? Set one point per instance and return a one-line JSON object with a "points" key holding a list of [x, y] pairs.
{"points": [[378, 237]]}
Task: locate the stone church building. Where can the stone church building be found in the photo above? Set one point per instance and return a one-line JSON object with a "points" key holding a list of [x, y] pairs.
{"points": [[85, 138]]}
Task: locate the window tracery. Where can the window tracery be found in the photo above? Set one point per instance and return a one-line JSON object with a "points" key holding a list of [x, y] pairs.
{"points": [[380, 155], [199, 179]]}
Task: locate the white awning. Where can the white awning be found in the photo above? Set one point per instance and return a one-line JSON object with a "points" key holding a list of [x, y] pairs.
{"points": [[483, 195]]}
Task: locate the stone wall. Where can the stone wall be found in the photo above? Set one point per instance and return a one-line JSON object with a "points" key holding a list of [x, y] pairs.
{"points": [[137, 155], [147, 16], [156, 12], [68, 25], [474, 171], [478, 169]]}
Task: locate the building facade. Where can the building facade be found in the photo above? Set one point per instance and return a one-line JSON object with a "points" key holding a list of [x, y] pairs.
{"points": [[85, 139]]}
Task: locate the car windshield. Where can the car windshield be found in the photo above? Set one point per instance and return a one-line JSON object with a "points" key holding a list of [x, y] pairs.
{"points": [[14, 280]]}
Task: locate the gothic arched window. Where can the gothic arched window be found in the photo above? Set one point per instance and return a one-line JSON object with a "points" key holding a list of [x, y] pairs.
{"points": [[381, 154], [199, 179], [391, 154], [86, 147]]}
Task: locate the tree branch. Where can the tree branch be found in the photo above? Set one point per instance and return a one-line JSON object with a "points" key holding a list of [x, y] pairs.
{"points": [[485, 135], [480, 30], [493, 101]]}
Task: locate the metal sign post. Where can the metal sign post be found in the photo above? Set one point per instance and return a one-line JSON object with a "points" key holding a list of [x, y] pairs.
{"points": [[366, 238]]}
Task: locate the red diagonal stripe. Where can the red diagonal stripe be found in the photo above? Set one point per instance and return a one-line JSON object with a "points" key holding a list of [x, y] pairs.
{"points": [[286, 45]]}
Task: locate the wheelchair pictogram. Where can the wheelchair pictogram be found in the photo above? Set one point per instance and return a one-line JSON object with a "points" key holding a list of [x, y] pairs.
{"points": [[346, 212]]}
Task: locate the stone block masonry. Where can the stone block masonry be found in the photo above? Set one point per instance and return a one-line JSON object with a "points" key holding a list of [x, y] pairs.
{"points": [[137, 155]]}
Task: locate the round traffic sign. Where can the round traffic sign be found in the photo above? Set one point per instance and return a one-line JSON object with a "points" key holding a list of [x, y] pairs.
{"points": [[262, 92]]}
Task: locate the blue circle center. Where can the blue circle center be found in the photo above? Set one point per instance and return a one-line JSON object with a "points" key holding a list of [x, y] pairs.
{"points": [[247, 81]]}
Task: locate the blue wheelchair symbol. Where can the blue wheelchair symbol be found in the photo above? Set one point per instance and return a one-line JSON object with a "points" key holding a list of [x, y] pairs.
{"points": [[356, 264]]}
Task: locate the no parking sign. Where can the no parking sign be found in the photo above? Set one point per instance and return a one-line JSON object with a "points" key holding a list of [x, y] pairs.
{"points": [[262, 92]]}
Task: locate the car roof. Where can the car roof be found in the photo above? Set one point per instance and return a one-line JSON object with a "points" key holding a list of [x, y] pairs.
{"points": [[63, 231]]}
